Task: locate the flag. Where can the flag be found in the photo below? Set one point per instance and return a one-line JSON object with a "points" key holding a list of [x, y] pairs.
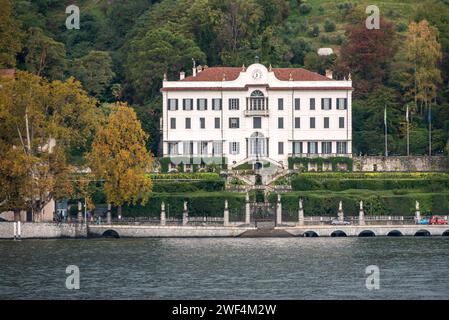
{"points": [[429, 115], [406, 115], [385, 116]]}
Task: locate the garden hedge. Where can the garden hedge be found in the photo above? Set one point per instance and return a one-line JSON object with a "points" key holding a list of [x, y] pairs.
{"points": [[339, 182], [199, 204], [375, 203]]}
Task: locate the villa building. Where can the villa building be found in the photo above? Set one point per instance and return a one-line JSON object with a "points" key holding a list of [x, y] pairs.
{"points": [[256, 114]]}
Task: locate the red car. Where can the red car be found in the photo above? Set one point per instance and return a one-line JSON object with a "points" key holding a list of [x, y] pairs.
{"points": [[437, 220]]}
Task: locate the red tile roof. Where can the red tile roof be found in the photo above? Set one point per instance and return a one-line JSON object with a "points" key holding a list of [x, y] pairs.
{"points": [[298, 74], [232, 73], [216, 74]]}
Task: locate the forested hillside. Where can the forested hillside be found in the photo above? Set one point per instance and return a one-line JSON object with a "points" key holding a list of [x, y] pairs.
{"points": [[124, 47]]}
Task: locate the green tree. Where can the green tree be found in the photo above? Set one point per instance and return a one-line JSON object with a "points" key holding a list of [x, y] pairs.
{"points": [[161, 50], [45, 56], [10, 35], [149, 115], [120, 158], [94, 71], [238, 23]]}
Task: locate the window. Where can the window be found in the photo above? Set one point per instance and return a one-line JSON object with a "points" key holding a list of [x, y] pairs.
{"points": [[202, 123], [342, 103], [187, 104], [201, 104], [280, 104], [217, 147], [257, 122], [172, 123], [202, 147], [312, 103], [234, 104], [234, 123], [312, 147], [216, 104], [172, 104], [326, 103], [326, 122], [188, 123], [217, 123], [187, 148], [173, 148], [257, 100], [341, 122], [297, 147], [326, 147], [280, 147], [297, 122], [297, 104], [341, 147], [234, 147], [312, 123], [280, 123]]}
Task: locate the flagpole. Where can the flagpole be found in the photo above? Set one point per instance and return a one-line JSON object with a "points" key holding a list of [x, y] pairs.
{"points": [[430, 129], [386, 137], [408, 132]]}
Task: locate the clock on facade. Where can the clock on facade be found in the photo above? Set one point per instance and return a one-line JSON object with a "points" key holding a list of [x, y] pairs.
{"points": [[257, 74]]}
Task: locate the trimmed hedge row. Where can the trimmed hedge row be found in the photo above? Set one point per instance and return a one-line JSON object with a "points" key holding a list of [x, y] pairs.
{"points": [[199, 204], [335, 161], [212, 164], [188, 186], [323, 204], [184, 176], [376, 175], [310, 182]]}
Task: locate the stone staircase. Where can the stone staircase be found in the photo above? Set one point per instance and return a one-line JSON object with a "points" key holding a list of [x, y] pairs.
{"points": [[267, 174]]}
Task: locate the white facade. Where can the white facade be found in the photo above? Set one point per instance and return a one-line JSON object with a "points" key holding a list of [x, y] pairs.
{"points": [[275, 117]]}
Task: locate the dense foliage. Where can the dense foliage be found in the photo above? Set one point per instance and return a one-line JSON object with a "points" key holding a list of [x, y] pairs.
{"points": [[123, 48]]}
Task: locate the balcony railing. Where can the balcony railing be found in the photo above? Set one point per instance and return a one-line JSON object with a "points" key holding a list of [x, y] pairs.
{"points": [[251, 113]]}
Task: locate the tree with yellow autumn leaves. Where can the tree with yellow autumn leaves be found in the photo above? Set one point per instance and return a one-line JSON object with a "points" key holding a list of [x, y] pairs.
{"points": [[42, 125], [119, 158], [51, 131]]}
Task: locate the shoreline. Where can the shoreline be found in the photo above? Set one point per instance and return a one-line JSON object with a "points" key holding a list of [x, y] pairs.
{"points": [[34, 230]]}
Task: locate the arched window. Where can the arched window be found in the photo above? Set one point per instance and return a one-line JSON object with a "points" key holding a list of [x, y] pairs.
{"points": [[258, 145], [257, 100], [257, 93]]}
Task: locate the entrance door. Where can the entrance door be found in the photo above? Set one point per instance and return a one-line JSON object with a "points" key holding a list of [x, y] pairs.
{"points": [[258, 145]]}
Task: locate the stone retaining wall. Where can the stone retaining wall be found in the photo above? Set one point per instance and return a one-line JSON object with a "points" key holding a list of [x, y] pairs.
{"points": [[167, 231], [401, 163], [33, 230]]}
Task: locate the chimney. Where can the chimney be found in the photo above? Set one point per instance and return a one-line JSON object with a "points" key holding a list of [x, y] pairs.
{"points": [[329, 73], [182, 75]]}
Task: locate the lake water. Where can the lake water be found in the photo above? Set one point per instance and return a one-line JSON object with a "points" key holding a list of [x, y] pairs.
{"points": [[259, 268]]}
